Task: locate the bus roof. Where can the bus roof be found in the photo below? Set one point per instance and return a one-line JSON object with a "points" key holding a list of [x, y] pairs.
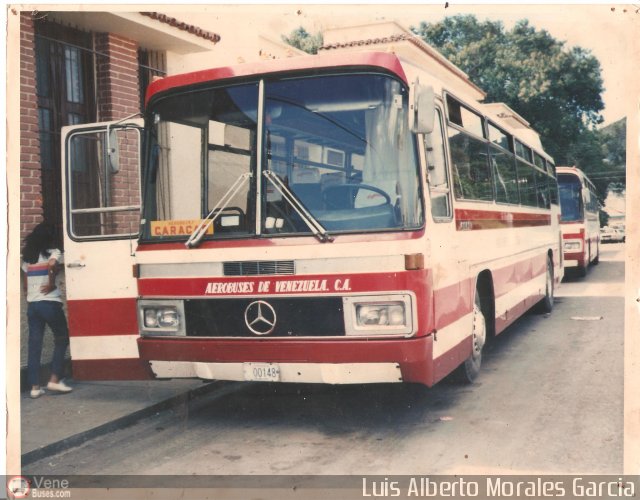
{"points": [[574, 171], [570, 170], [385, 61]]}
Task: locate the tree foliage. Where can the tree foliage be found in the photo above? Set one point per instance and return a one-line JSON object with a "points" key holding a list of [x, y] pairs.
{"points": [[614, 138], [614, 149], [557, 89], [301, 39]]}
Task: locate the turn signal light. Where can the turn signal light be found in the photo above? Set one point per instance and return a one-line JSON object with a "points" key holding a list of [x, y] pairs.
{"points": [[414, 261]]}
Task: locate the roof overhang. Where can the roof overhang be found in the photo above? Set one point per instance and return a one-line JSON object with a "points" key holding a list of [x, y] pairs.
{"points": [[149, 33]]}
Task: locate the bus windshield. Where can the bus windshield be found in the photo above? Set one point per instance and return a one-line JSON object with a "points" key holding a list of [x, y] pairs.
{"points": [[571, 204], [282, 157]]}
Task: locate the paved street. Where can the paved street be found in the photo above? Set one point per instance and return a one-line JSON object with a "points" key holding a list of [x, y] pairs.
{"points": [[549, 400]]}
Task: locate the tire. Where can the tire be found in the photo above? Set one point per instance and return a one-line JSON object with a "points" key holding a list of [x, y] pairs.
{"points": [[545, 306], [596, 261], [468, 371], [582, 271]]}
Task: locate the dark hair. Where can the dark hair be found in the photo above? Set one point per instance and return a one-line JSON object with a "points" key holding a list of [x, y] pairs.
{"points": [[41, 239]]}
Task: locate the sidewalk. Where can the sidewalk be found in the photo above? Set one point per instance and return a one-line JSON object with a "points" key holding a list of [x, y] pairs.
{"points": [[53, 423]]}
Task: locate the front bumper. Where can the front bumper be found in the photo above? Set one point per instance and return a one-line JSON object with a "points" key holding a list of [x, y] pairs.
{"points": [[340, 361]]}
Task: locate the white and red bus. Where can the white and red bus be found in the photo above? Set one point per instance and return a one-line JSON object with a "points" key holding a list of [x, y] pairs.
{"points": [[313, 219], [580, 220]]}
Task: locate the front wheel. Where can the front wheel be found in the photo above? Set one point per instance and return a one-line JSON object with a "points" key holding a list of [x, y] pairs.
{"points": [[470, 369]]}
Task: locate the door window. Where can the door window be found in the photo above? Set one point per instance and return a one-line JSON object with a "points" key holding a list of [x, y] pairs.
{"points": [[103, 193]]}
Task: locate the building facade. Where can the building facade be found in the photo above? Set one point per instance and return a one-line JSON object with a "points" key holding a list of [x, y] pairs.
{"points": [[80, 68]]}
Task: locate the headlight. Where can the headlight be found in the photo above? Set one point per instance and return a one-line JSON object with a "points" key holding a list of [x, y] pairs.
{"points": [[378, 315], [150, 318], [573, 245], [161, 317]]}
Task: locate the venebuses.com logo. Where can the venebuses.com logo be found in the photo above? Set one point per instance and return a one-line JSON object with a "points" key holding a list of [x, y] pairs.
{"points": [[38, 487], [18, 487]]}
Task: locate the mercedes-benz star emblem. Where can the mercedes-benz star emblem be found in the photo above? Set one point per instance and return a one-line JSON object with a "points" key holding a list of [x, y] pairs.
{"points": [[260, 317]]}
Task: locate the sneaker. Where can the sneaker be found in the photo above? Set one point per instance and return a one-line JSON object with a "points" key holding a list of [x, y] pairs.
{"points": [[60, 387], [36, 393]]}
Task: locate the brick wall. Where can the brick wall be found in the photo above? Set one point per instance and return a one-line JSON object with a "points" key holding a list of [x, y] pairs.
{"points": [[118, 87], [118, 97], [30, 178]]}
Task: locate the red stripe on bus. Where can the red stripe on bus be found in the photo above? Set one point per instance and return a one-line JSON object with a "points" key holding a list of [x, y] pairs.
{"points": [[455, 301], [102, 317], [273, 286], [574, 236], [445, 364], [418, 282], [471, 219], [111, 369], [413, 355], [452, 303]]}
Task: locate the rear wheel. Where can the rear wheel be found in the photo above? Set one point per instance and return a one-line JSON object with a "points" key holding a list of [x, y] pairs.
{"points": [[470, 369], [546, 304], [582, 271]]}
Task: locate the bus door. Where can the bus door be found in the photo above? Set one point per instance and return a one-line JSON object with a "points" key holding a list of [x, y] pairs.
{"points": [[101, 199]]}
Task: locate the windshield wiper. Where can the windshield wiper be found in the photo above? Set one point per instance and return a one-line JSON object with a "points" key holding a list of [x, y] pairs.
{"points": [[200, 231], [316, 228]]}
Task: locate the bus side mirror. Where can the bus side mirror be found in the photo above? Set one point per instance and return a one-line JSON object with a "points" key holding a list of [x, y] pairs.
{"points": [[422, 108], [113, 151]]}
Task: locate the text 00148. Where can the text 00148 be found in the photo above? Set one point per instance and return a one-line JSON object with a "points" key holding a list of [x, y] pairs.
{"points": [[262, 372]]}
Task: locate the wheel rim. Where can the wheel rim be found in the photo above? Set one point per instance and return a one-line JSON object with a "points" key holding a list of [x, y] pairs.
{"points": [[549, 280], [479, 331]]}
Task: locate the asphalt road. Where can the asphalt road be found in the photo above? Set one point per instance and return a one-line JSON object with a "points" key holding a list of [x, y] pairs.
{"points": [[549, 400]]}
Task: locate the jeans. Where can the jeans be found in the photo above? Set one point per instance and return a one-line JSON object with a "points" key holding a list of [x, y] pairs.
{"points": [[39, 314]]}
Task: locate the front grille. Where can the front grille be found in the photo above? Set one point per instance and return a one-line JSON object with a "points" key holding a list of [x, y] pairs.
{"points": [[295, 317], [259, 267]]}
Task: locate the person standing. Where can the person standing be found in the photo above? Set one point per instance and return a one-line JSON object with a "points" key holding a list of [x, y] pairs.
{"points": [[41, 260]]}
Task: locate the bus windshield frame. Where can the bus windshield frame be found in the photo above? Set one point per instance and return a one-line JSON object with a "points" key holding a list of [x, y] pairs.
{"points": [[338, 143], [571, 199]]}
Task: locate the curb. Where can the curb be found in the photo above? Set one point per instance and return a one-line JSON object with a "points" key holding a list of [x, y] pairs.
{"points": [[118, 423]]}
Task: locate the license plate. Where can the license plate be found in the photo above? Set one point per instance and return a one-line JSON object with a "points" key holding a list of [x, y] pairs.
{"points": [[261, 372]]}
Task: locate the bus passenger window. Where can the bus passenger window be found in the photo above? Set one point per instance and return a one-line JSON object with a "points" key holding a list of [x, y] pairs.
{"points": [[504, 173], [437, 171], [527, 181], [471, 174], [542, 189]]}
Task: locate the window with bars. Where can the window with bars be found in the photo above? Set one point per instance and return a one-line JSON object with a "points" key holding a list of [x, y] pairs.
{"points": [[66, 89]]}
